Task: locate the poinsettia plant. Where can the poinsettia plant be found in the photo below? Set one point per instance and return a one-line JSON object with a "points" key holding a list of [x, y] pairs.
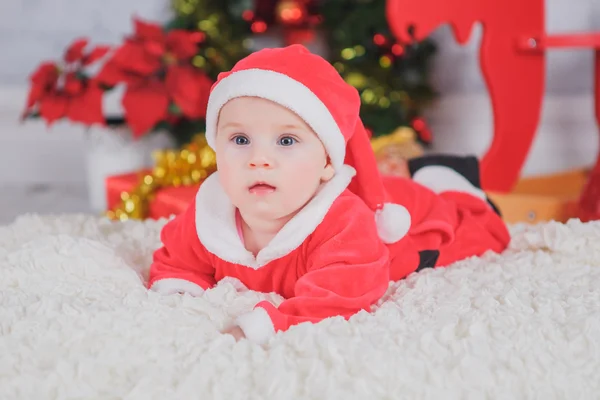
{"points": [[161, 82], [64, 90], [162, 87]]}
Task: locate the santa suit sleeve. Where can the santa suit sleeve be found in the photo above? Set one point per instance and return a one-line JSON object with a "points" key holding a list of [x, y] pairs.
{"points": [[181, 265], [347, 270]]}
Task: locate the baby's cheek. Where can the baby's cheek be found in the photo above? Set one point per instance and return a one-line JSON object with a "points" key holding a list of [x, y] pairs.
{"points": [[229, 180], [304, 179]]}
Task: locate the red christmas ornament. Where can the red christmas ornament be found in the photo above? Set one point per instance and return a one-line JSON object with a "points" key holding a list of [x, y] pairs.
{"points": [[422, 129], [397, 49], [379, 39], [418, 124]]}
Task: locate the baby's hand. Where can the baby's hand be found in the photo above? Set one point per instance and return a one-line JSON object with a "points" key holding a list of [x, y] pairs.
{"points": [[236, 332]]}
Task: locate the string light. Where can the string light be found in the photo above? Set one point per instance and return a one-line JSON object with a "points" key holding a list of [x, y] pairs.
{"points": [[210, 52], [384, 102], [339, 67], [368, 96], [348, 53], [199, 61], [359, 50], [356, 79], [258, 27], [379, 39], [385, 61], [248, 15], [397, 49], [291, 12], [205, 25]]}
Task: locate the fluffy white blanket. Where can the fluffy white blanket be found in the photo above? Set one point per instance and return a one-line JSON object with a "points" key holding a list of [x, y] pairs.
{"points": [[77, 323]]}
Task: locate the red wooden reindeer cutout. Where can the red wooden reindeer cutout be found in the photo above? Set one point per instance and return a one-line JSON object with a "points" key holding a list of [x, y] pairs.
{"points": [[513, 64], [514, 76]]}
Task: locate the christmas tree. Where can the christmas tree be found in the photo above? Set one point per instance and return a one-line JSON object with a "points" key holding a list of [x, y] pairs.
{"points": [[391, 77]]}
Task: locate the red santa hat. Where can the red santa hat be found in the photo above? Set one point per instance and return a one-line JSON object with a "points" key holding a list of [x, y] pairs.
{"points": [[310, 86]]}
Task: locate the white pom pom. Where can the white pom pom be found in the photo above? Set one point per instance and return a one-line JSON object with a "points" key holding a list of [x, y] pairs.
{"points": [[393, 222]]}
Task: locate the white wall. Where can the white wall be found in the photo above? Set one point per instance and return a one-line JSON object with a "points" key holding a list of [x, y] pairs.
{"points": [[34, 30]]}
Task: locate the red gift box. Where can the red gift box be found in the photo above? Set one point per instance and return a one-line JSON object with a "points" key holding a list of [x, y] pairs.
{"points": [[165, 202]]}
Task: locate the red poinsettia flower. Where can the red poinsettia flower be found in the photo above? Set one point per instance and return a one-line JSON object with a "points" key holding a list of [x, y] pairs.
{"points": [[66, 92], [78, 100], [43, 81], [155, 66], [75, 54]]}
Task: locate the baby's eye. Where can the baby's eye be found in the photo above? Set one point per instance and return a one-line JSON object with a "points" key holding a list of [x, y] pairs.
{"points": [[240, 140], [287, 141]]}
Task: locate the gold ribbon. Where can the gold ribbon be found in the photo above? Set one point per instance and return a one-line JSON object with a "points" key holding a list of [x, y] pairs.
{"points": [[188, 166], [399, 137]]}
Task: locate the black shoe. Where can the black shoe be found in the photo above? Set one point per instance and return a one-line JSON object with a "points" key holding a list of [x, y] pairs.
{"points": [[427, 259], [467, 166]]}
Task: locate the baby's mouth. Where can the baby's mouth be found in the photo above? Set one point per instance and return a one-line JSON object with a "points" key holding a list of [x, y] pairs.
{"points": [[261, 188]]}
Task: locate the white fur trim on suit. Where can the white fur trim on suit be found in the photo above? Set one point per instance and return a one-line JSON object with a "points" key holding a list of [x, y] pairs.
{"points": [[282, 90], [444, 179], [174, 285], [393, 222], [217, 231], [257, 325]]}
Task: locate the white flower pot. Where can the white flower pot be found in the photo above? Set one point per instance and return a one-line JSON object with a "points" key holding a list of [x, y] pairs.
{"points": [[113, 151]]}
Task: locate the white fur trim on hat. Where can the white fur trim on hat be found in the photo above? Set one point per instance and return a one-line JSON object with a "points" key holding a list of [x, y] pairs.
{"points": [[393, 222], [283, 90]]}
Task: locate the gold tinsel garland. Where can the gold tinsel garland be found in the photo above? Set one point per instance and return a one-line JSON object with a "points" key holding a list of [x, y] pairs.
{"points": [[194, 162], [188, 166], [402, 141]]}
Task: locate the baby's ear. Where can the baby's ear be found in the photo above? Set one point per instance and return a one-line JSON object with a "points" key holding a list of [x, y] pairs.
{"points": [[328, 173]]}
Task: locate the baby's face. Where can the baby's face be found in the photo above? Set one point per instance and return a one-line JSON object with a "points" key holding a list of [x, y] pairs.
{"points": [[270, 161]]}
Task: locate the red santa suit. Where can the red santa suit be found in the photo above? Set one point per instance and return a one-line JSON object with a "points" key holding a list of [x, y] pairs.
{"points": [[337, 255]]}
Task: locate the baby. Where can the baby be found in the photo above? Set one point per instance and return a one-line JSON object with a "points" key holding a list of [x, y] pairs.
{"points": [[298, 207]]}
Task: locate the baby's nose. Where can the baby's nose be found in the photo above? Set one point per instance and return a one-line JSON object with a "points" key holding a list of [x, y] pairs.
{"points": [[260, 162]]}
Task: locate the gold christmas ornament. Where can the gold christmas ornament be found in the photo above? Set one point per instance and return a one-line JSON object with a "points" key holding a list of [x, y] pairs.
{"points": [[394, 150], [185, 167], [400, 137]]}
